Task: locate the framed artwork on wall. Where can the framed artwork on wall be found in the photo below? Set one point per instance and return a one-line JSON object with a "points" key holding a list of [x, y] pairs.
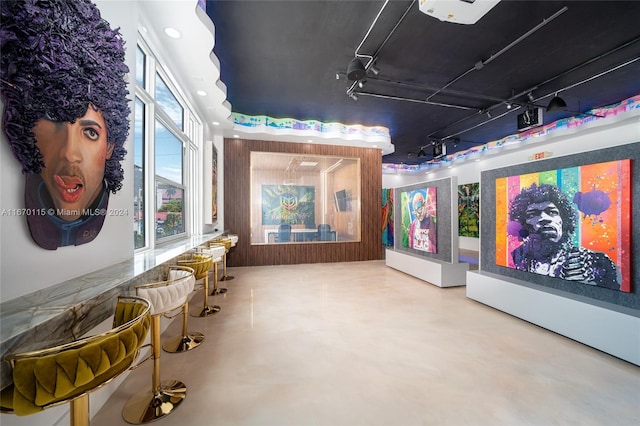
{"points": [[214, 184], [469, 210], [290, 204], [419, 219], [72, 81]]}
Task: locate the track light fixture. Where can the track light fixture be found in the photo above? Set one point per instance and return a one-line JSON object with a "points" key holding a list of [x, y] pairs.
{"points": [[421, 153], [557, 104], [361, 83], [374, 70], [353, 96], [530, 97], [356, 70]]}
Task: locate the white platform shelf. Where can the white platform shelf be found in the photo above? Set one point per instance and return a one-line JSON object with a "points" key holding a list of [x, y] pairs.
{"points": [[610, 330], [436, 272]]}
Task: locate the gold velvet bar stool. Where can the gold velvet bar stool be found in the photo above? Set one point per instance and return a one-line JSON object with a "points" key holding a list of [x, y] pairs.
{"points": [[68, 373], [201, 263], [188, 340], [227, 243], [163, 397], [217, 251]]}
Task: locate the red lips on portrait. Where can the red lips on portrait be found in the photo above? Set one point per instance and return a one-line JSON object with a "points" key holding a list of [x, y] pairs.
{"points": [[70, 188]]}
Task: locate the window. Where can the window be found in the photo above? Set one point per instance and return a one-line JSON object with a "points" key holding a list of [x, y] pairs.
{"points": [[164, 153], [139, 177], [168, 102], [169, 189], [304, 198], [141, 61]]}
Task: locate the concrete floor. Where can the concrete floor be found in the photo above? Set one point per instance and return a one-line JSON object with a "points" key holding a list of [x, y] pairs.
{"points": [[363, 344]]}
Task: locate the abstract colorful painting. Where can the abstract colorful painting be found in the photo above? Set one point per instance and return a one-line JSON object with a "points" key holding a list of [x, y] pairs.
{"points": [[290, 204], [419, 219], [387, 217], [469, 210], [214, 185], [572, 223]]}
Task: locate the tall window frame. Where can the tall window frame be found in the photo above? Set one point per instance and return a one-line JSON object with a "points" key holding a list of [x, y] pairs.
{"points": [[176, 210]]}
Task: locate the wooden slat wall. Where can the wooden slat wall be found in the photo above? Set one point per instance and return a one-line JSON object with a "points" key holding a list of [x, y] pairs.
{"points": [[237, 153]]}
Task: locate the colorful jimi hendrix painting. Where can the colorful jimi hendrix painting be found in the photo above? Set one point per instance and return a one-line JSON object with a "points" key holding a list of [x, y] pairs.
{"points": [[573, 224]]}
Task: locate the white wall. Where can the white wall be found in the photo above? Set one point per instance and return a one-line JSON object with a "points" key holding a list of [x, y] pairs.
{"points": [[617, 130]]}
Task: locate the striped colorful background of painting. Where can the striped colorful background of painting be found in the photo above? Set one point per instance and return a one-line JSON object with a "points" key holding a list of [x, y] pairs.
{"points": [[608, 232]]}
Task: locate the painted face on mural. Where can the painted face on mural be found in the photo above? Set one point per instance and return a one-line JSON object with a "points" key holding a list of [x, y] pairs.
{"points": [[544, 219], [419, 207], [74, 156]]}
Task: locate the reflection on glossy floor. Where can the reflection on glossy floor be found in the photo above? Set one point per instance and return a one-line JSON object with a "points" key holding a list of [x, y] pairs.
{"points": [[362, 344]]}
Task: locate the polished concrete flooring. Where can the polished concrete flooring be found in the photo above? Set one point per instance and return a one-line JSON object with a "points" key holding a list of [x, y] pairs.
{"points": [[363, 344]]}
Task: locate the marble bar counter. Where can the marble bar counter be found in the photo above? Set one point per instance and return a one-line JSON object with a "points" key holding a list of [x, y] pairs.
{"points": [[68, 310]]}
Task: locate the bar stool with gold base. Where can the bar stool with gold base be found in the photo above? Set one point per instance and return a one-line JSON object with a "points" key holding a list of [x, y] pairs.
{"points": [[163, 397], [227, 243], [188, 340], [234, 241], [201, 263], [67, 373], [217, 251]]}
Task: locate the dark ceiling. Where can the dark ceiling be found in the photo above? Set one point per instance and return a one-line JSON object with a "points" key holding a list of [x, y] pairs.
{"points": [[437, 80]]}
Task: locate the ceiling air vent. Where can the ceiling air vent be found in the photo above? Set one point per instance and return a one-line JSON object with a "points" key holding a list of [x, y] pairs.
{"points": [[457, 11]]}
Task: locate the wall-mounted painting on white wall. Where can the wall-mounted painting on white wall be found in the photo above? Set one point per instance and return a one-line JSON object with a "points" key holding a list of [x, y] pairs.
{"points": [[66, 115]]}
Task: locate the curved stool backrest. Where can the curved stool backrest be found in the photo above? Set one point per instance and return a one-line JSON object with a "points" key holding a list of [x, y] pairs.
{"points": [[52, 376], [216, 250], [233, 238], [200, 263], [168, 295]]}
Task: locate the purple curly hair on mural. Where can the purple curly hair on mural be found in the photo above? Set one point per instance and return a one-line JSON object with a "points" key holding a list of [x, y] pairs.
{"points": [[58, 58], [541, 193]]}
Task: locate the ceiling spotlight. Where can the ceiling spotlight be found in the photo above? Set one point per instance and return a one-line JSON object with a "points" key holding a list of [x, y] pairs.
{"points": [[172, 32], [488, 114], [353, 96], [530, 96], [337, 75], [374, 70], [557, 104], [356, 70], [361, 83], [509, 105], [421, 153]]}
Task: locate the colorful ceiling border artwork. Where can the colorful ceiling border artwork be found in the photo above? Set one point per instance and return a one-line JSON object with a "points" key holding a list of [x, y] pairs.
{"points": [[490, 147], [310, 128]]}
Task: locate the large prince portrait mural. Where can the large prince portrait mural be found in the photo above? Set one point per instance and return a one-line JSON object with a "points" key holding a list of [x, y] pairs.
{"points": [[65, 117]]}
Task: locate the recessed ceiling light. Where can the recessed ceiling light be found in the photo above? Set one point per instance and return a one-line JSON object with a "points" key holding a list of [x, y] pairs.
{"points": [[172, 32], [236, 136], [201, 93], [309, 140], [215, 123]]}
